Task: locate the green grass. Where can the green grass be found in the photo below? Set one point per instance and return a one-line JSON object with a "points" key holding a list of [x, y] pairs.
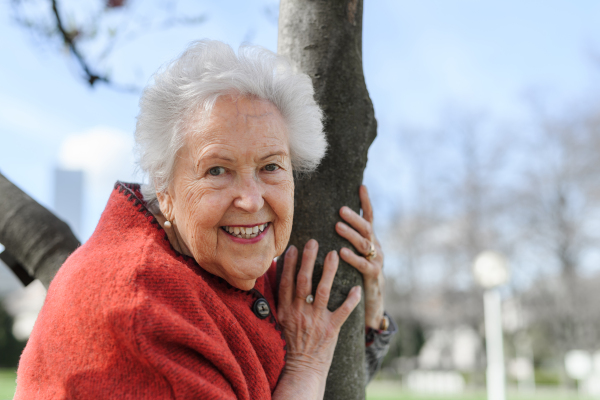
{"points": [[377, 390], [7, 383], [390, 390]]}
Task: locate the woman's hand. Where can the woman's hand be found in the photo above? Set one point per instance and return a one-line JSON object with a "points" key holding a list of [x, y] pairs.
{"points": [[311, 330], [360, 234]]}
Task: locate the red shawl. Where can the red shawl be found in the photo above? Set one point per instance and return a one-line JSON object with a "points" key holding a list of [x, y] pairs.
{"points": [[128, 317]]}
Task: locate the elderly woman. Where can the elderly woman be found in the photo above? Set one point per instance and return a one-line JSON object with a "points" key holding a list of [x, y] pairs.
{"points": [[174, 294]]}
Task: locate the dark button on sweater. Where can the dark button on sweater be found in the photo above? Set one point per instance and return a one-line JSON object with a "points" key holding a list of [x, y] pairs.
{"points": [[261, 308]]}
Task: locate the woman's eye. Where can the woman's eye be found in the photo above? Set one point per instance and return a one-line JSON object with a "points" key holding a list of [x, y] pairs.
{"points": [[216, 171], [271, 167]]}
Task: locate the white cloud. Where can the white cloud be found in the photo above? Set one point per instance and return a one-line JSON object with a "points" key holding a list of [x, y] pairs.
{"points": [[105, 155]]}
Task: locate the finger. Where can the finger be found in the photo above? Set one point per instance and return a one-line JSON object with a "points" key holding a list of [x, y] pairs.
{"points": [[365, 203], [360, 243], [304, 278], [340, 315], [330, 267], [360, 263], [357, 222], [286, 285]]}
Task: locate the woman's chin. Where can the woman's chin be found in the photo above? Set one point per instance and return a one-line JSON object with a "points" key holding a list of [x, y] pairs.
{"points": [[243, 284], [242, 273]]}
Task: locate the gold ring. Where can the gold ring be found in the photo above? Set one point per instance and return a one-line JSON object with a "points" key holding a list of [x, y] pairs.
{"points": [[372, 252]]}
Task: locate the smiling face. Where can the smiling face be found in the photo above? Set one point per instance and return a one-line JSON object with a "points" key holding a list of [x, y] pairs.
{"points": [[232, 194]]}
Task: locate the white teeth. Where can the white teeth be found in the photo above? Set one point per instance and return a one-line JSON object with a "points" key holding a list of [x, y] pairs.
{"points": [[246, 232]]}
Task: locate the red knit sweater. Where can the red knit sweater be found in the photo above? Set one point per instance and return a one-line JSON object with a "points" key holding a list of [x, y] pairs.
{"points": [[127, 317]]}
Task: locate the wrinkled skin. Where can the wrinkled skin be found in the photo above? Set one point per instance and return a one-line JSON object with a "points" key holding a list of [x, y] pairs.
{"points": [[237, 171]]}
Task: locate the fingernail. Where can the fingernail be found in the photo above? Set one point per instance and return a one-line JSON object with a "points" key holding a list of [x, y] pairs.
{"points": [[291, 251], [311, 244], [341, 226]]}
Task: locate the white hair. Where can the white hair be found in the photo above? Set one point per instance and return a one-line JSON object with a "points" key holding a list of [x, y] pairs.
{"points": [[191, 84]]}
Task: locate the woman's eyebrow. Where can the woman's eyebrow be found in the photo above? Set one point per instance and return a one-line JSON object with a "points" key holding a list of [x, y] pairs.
{"points": [[282, 153], [211, 155]]}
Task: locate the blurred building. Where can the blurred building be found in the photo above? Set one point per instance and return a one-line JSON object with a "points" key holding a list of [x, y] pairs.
{"points": [[451, 349], [68, 197]]}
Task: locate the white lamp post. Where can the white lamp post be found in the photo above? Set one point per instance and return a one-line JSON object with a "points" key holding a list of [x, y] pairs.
{"points": [[491, 271], [579, 365]]}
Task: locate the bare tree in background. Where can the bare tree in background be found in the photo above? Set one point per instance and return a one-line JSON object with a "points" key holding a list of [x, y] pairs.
{"points": [[92, 31], [561, 213], [455, 207]]}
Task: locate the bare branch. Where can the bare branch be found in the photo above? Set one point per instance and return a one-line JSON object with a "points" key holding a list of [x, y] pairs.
{"points": [[69, 40]]}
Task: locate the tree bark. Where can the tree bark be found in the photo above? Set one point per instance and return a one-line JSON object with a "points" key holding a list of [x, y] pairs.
{"points": [[33, 236], [323, 38]]}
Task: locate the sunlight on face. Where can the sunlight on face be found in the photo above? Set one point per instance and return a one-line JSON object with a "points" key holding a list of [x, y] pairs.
{"points": [[233, 192]]}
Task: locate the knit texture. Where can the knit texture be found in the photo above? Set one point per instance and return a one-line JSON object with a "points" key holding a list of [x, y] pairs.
{"points": [[127, 317]]}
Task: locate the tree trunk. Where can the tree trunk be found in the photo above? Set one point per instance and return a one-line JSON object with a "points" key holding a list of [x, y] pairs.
{"points": [[323, 38], [34, 238]]}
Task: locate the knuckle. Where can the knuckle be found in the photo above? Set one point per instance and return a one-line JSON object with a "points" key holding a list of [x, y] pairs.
{"points": [[285, 281], [302, 280], [369, 228], [364, 264], [282, 316], [323, 291]]}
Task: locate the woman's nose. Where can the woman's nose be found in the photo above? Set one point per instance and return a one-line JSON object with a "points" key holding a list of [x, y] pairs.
{"points": [[250, 195]]}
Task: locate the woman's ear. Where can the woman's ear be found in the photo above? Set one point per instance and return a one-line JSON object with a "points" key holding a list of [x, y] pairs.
{"points": [[165, 203]]}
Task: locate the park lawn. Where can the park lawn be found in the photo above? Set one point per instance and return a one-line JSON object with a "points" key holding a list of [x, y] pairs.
{"points": [[377, 390], [390, 390], [7, 383]]}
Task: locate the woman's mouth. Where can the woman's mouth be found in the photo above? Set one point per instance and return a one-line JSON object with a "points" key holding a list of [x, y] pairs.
{"points": [[245, 232]]}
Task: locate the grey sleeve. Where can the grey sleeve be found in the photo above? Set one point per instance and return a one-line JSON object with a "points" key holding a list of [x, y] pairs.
{"points": [[380, 344]]}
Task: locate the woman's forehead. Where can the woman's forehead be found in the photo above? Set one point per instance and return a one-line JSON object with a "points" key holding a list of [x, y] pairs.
{"points": [[241, 126], [242, 110]]}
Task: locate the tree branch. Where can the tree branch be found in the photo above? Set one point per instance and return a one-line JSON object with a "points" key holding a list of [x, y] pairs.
{"points": [[35, 237], [16, 268], [69, 40]]}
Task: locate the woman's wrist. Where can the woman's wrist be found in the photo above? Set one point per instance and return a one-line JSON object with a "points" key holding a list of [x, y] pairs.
{"points": [[375, 322], [374, 309], [300, 384]]}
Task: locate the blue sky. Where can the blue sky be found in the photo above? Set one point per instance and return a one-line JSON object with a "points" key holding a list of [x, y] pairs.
{"points": [[420, 57]]}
